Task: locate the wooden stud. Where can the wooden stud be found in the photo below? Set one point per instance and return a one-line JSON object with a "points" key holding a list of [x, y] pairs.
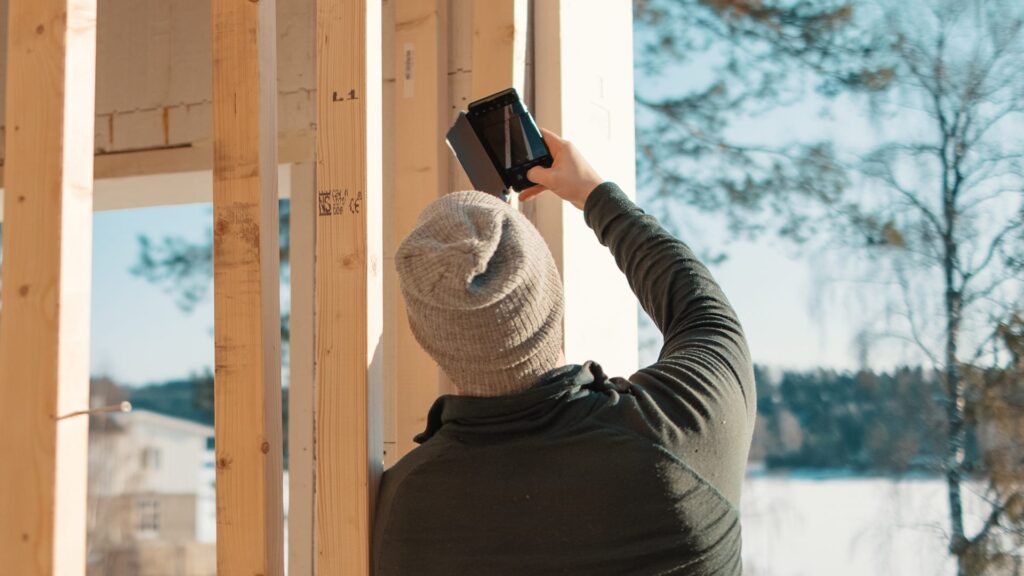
{"points": [[499, 50], [584, 91], [301, 362], [460, 77], [247, 389], [499, 46], [420, 176], [388, 138], [349, 304], [44, 332]]}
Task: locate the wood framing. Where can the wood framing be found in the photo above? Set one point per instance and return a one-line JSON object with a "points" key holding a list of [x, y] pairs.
{"points": [[301, 364], [44, 333], [153, 90], [247, 388], [420, 176], [499, 46], [348, 282], [460, 77], [584, 91], [388, 137]]}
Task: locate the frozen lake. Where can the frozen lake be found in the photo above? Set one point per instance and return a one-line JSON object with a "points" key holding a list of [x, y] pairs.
{"points": [[797, 525]]}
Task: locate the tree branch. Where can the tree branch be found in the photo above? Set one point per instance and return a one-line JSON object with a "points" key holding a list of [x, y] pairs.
{"points": [[993, 247]]}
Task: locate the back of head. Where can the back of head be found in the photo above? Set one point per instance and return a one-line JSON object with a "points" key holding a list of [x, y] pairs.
{"points": [[482, 293]]}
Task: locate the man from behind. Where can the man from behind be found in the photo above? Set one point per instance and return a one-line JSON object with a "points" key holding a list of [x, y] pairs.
{"points": [[536, 467]]}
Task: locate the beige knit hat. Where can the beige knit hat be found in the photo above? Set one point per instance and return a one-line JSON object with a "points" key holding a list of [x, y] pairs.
{"points": [[482, 292]]}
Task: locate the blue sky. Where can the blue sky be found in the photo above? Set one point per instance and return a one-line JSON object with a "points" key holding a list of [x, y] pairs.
{"points": [[795, 311], [139, 334]]}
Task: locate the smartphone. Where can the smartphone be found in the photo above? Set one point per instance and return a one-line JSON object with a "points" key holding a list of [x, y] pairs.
{"points": [[510, 137]]}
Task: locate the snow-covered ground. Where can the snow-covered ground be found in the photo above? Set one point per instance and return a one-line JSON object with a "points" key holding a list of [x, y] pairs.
{"points": [[797, 525]]}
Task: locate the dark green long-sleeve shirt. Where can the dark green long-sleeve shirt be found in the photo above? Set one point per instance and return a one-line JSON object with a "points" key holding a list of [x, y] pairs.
{"points": [[584, 474]]}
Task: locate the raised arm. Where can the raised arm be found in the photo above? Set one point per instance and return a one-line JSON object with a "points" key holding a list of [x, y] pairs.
{"points": [[703, 379]]}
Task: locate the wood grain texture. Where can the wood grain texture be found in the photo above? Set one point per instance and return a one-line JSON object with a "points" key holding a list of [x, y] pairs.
{"points": [[44, 332], [499, 46], [388, 137], [460, 77], [420, 177], [301, 363], [154, 73], [349, 303], [247, 388]]}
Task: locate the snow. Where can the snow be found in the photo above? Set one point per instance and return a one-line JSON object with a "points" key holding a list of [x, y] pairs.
{"points": [[842, 525]]}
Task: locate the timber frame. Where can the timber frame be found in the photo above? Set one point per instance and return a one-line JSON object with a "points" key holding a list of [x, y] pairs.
{"points": [[339, 105]]}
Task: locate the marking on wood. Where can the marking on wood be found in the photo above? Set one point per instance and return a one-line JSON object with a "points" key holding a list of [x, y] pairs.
{"points": [[348, 313]]}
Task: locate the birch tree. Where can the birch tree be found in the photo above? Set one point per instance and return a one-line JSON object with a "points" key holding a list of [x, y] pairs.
{"points": [[936, 203]]}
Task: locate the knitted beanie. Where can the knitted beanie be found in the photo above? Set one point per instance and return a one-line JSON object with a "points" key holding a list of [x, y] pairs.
{"points": [[482, 293]]}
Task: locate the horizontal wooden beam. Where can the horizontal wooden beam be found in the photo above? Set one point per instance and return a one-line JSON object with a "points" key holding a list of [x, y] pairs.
{"points": [[133, 179], [292, 148], [168, 189]]}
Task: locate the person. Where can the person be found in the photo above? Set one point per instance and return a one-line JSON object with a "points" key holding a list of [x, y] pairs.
{"points": [[536, 467]]}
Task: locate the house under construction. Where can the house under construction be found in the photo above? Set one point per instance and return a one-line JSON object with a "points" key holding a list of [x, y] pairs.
{"points": [[339, 105]]}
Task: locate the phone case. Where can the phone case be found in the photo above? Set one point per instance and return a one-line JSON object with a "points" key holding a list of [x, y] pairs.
{"points": [[466, 146]]}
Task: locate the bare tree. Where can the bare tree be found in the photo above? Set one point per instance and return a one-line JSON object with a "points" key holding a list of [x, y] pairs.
{"points": [[937, 201], [956, 196]]}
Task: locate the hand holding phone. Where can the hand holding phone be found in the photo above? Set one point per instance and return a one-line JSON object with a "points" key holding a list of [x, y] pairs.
{"points": [[570, 176], [510, 136]]}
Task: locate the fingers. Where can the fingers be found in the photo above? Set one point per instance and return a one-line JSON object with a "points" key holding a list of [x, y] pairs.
{"points": [[538, 174], [553, 141]]}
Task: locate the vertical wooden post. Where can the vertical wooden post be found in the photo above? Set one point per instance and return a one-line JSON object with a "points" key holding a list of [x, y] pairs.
{"points": [[349, 303], [460, 77], [247, 389], [499, 46], [301, 363], [44, 326], [584, 91], [388, 138], [420, 176], [499, 49]]}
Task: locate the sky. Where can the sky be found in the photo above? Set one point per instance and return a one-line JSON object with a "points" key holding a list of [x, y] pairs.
{"points": [[796, 313], [139, 334]]}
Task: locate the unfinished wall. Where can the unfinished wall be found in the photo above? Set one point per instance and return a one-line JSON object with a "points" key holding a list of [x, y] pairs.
{"points": [[153, 84]]}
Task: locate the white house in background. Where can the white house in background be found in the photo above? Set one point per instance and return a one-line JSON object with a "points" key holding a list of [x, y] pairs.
{"points": [[152, 492], [151, 496]]}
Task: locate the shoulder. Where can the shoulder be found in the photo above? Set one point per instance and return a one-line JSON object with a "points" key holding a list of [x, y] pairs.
{"points": [[395, 476]]}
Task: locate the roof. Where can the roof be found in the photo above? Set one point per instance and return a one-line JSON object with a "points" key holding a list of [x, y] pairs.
{"points": [[174, 423]]}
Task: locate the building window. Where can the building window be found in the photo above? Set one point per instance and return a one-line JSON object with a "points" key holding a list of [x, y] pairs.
{"points": [[150, 458], [209, 443], [147, 517]]}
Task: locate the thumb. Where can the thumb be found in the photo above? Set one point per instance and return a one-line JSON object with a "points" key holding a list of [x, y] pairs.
{"points": [[540, 175]]}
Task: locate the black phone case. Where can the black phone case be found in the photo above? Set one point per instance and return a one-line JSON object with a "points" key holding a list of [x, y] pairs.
{"points": [[470, 149], [466, 146]]}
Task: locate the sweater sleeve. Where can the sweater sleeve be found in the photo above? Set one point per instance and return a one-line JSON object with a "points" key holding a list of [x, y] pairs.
{"points": [[703, 381]]}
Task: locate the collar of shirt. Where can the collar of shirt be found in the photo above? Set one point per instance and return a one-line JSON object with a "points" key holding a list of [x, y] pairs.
{"points": [[532, 408]]}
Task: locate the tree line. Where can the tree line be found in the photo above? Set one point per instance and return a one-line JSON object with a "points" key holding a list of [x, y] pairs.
{"points": [[865, 421]]}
